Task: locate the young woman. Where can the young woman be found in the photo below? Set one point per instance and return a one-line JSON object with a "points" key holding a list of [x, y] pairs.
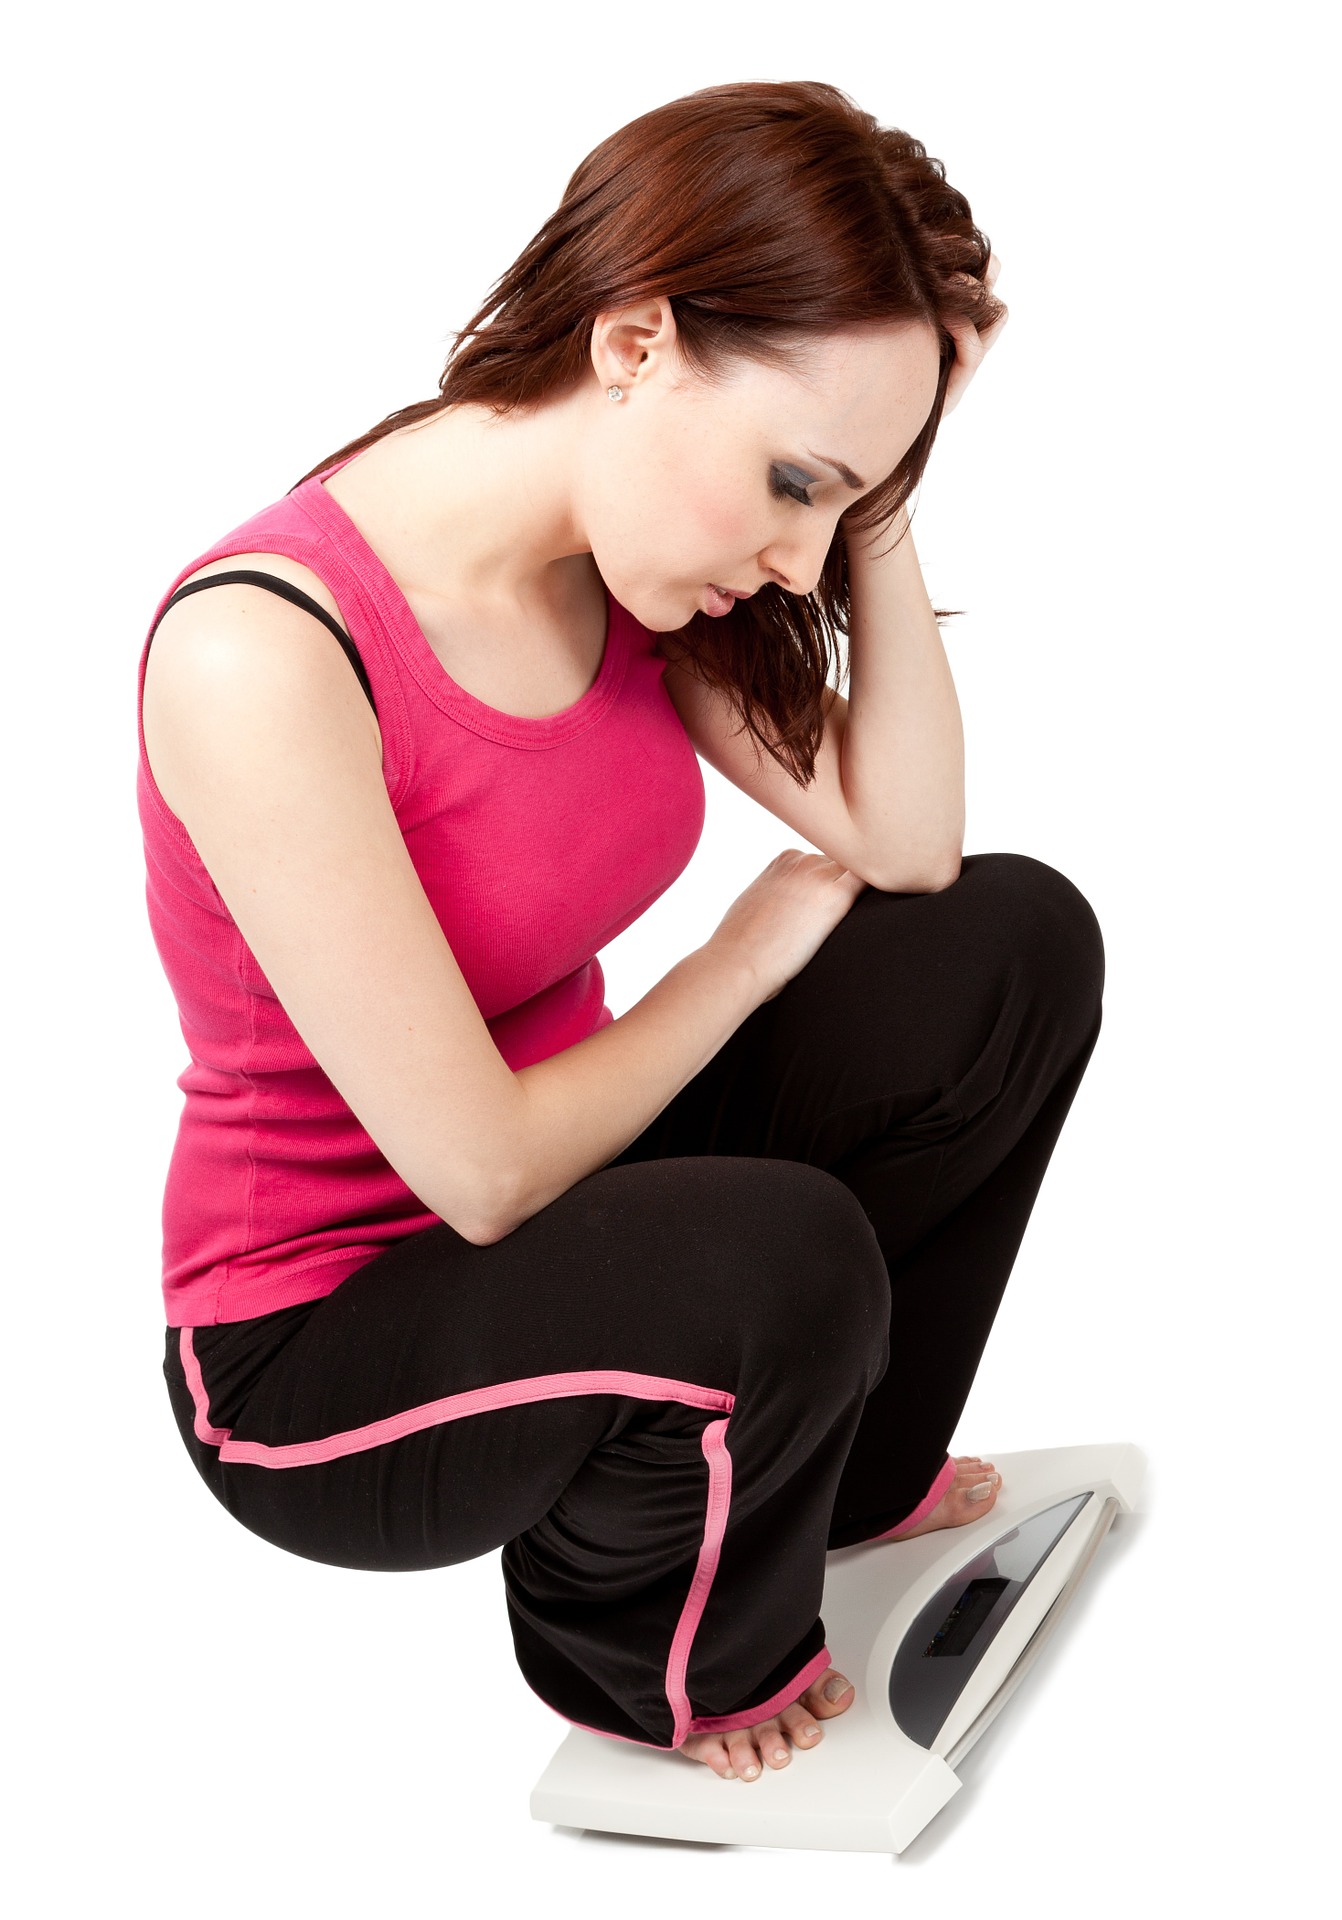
{"points": [[664, 1306]]}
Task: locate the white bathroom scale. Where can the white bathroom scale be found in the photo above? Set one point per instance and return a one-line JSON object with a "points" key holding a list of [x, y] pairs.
{"points": [[936, 1633]]}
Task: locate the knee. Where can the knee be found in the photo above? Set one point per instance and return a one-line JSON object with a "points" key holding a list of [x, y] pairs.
{"points": [[818, 1282], [1050, 928], [763, 1268]]}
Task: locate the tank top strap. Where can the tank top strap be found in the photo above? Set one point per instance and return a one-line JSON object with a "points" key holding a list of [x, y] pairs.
{"points": [[284, 527], [250, 576]]}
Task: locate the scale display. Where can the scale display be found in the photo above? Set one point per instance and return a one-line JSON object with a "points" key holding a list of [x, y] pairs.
{"points": [[958, 1624]]}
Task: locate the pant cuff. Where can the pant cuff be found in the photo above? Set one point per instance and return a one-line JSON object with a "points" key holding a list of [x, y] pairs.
{"points": [[929, 1500], [723, 1722], [783, 1697]]}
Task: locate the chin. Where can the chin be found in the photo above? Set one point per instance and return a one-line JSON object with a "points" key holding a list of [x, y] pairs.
{"points": [[659, 616], [671, 626], [665, 609]]}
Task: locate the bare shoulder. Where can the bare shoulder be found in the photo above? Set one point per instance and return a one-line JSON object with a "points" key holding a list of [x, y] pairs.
{"points": [[279, 564], [244, 629]]}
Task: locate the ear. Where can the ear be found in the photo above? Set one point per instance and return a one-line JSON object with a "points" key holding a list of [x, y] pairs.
{"points": [[632, 343]]}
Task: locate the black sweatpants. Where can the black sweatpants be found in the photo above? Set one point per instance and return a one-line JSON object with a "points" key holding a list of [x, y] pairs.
{"points": [[745, 1340]]}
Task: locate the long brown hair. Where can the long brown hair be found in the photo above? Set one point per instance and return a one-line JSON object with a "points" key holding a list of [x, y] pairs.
{"points": [[766, 212]]}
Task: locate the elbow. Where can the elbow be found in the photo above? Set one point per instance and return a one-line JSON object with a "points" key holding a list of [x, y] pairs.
{"points": [[488, 1228], [502, 1193], [946, 874], [923, 876], [479, 1234], [486, 1232], [484, 1216]]}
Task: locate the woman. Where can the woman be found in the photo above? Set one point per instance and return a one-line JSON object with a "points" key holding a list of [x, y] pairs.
{"points": [[664, 1306]]}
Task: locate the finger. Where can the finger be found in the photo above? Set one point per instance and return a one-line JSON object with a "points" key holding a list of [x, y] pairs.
{"points": [[969, 352], [989, 338], [978, 347], [988, 334], [969, 347]]}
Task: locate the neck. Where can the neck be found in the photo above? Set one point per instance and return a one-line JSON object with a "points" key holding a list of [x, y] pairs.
{"points": [[476, 509]]}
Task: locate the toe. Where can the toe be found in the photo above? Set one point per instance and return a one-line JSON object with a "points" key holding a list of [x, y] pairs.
{"points": [[709, 1749], [741, 1748], [832, 1693], [970, 1467], [799, 1724]]}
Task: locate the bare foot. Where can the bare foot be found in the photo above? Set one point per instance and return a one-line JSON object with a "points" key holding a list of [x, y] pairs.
{"points": [[958, 1504], [738, 1755]]}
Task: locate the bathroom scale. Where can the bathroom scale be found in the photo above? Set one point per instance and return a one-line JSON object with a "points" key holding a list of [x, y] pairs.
{"points": [[936, 1633]]}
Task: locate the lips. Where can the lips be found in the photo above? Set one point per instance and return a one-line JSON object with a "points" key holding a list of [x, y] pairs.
{"points": [[722, 599]]}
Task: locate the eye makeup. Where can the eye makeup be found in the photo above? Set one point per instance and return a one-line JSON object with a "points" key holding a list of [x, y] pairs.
{"points": [[791, 481], [846, 474]]}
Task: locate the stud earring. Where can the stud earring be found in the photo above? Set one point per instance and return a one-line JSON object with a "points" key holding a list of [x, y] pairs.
{"points": [[615, 393]]}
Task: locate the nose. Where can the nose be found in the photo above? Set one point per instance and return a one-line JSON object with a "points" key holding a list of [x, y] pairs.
{"points": [[798, 564]]}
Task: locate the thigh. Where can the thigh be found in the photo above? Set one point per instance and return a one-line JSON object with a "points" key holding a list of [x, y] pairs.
{"points": [[439, 1401], [911, 1017]]}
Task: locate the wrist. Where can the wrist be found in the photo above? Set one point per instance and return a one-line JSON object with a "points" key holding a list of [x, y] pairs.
{"points": [[734, 964]]}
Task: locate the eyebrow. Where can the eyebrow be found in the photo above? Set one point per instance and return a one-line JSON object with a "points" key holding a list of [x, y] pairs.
{"points": [[844, 473]]}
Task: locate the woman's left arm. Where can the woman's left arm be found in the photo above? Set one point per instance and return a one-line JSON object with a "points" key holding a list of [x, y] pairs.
{"points": [[903, 742]]}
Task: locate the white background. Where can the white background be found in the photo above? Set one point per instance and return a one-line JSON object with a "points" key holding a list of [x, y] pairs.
{"points": [[242, 235]]}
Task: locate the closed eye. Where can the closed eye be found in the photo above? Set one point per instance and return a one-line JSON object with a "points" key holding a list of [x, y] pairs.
{"points": [[784, 488]]}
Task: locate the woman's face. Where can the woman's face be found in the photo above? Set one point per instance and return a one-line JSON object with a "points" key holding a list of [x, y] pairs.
{"points": [[689, 486]]}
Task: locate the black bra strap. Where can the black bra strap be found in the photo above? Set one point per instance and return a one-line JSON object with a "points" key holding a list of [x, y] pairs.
{"points": [[286, 591]]}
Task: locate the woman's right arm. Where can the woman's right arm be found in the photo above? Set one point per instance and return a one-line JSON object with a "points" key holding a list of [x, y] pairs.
{"points": [[263, 744]]}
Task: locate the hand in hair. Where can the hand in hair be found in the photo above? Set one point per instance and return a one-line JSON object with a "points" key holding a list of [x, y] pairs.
{"points": [[970, 345]]}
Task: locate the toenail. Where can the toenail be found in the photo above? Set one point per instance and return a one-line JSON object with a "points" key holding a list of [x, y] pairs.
{"points": [[981, 1491], [729, 1774], [748, 1773], [834, 1689], [809, 1733], [780, 1753]]}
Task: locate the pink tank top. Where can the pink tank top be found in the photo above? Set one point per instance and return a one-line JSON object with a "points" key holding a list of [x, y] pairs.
{"points": [[535, 840]]}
